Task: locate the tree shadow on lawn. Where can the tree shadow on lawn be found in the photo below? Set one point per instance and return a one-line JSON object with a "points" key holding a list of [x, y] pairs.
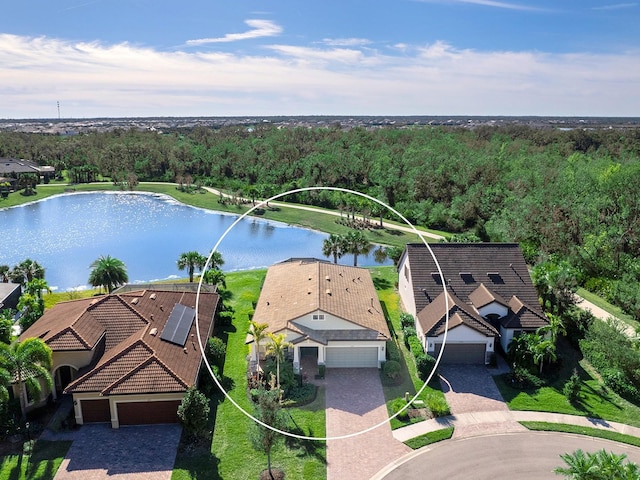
{"points": [[381, 284], [305, 447]]}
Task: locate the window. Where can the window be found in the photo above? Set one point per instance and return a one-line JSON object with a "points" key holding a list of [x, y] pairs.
{"points": [[406, 272], [318, 316]]}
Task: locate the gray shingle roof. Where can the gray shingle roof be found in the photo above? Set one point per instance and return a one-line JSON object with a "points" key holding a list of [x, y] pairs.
{"points": [[475, 271]]}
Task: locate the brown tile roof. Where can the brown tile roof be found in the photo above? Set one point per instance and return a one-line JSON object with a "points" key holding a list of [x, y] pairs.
{"points": [[482, 296], [523, 316], [296, 288], [432, 318], [465, 266], [136, 359]]}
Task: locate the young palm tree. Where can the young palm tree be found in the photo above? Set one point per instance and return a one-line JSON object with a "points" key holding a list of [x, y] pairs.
{"points": [[213, 276], [334, 246], [357, 244], [258, 333], [277, 348], [108, 272], [27, 362], [190, 261], [36, 286], [579, 465], [216, 261]]}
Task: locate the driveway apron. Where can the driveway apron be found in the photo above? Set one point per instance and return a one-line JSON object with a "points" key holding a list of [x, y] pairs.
{"points": [[355, 402], [471, 389], [99, 452]]}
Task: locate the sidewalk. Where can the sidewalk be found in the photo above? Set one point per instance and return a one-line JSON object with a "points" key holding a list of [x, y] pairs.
{"points": [[497, 422]]}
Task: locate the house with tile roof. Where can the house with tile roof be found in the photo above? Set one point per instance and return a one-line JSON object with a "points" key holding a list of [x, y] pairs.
{"points": [[328, 312], [127, 358], [485, 288]]}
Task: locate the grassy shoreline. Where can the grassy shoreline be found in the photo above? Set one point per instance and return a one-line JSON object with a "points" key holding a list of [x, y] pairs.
{"points": [[319, 219]]}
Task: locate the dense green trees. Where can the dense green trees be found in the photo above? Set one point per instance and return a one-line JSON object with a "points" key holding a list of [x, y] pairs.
{"points": [[569, 193]]}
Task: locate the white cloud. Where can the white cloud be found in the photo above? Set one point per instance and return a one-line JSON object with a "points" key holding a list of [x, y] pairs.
{"points": [[260, 28], [95, 79], [616, 6], [490, 3], [346, 42]]}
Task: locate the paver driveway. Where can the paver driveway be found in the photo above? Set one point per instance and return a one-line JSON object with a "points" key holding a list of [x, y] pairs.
{"points": [[99, 452], [470, 389], [355, 402]]}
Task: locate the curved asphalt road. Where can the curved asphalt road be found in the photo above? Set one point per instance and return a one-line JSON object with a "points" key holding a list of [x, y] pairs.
{"points": [[516, 456]]}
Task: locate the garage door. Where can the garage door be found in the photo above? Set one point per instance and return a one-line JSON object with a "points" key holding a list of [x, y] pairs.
{"points": [[145, 413], [95, 411], [469, 353], [359, 357]]}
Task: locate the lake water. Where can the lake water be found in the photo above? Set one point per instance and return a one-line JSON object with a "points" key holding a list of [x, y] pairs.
{"points": [[66, 233]]}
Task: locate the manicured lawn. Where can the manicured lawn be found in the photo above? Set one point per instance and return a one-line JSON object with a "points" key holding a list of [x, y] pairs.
{"points": [[590, 432], [232, 456], [429, 438], [42, 464], [385, 279], [595, 400]]}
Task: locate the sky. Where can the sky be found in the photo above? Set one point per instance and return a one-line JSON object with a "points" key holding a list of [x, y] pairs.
{"points": [[144, 58]]}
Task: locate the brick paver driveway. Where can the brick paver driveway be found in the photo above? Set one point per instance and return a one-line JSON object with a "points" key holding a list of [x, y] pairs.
{"points": [[471, 389], [355, 402], [99, 452]]}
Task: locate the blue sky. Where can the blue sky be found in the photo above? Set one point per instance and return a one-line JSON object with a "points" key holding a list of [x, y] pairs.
{"points": [[123, 58]]}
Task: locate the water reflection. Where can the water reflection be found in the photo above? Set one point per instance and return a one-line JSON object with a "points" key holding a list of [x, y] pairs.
{"points": [[147, 232]]}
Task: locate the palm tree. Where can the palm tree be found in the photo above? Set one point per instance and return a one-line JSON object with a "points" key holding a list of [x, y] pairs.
{"points": [[190, 261], [36, 286], [4, 273], [27, 362], [108, 272], [334, 246], [277, 348], [543, 350], [579, 465], [556, 327], [357, 244], [26, 271], [213, 276], [216, 261], [258, 333]]}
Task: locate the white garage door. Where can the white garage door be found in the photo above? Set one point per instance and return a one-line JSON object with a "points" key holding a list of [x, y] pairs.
{"points": [[358, 357]]}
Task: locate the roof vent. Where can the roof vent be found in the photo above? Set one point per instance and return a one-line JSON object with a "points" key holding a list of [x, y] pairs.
{"points": [[152, 296], [153, 331], [328, 291], [135, 301], [327, 278]]}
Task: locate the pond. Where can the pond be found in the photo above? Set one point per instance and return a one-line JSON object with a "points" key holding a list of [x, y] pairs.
{"points": [[148, 232]]}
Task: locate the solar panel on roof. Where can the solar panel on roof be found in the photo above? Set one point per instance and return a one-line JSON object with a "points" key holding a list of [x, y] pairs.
{"points": [[178, 325]]}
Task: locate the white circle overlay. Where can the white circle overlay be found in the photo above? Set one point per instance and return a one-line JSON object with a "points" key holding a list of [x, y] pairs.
{"points": [[263, 203]]}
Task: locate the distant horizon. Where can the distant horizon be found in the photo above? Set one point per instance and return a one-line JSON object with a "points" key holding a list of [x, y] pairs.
{"points": [[105, 59]]}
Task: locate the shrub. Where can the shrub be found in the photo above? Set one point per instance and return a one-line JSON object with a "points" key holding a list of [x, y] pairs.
{"points": [[215, 351], [397, 405], [407, 320], [523, 378], [393, 352], [193, 412], [616, 381], [438, 405], [392, 369], [300, 395], [408, 332], [571, 388], [415, 346], [425, 364]]}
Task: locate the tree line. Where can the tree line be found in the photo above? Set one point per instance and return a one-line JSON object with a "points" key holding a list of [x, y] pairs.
{"points": [[566, 193]]}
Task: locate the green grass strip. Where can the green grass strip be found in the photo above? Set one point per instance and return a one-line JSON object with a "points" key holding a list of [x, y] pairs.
{"points": [[429, 438], [588, 431]]}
